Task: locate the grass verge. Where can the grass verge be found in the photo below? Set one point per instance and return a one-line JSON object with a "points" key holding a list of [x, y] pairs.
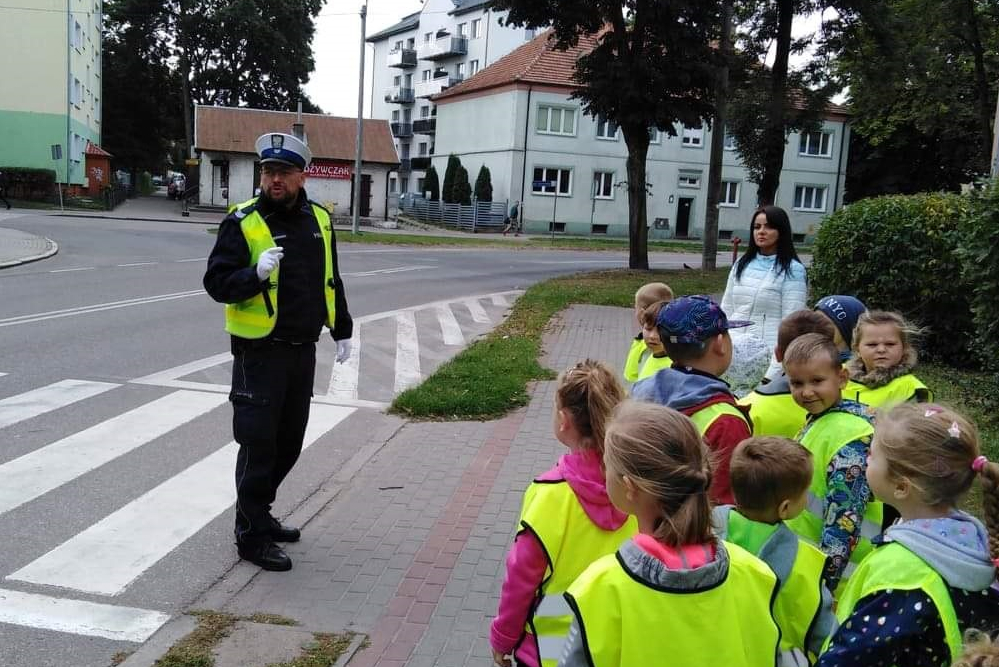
{"points": [[489, 378]]}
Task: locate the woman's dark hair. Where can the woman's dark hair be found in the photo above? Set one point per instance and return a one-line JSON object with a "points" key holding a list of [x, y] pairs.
{"points": [[776, 218]]}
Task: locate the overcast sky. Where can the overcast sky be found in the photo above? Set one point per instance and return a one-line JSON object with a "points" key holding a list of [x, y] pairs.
{"points": [[336, 46]]}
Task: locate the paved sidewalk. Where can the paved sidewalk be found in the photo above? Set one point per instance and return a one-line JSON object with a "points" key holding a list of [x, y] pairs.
{"points": [[17, 247], [411, 551]]}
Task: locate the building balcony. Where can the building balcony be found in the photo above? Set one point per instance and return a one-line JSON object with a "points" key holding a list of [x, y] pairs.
{"points": [[437, 85], [425, 126], [402, 58], [420, 163], [405, 166], [399, 95], [444, 47], [400, 130]]}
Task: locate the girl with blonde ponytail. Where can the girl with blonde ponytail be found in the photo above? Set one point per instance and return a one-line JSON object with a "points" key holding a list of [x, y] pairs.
{"points": [[932, 575], [673, 593]]}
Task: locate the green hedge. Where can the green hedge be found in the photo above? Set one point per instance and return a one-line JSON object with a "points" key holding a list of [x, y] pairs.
{"points": [[26, 183], [911, 254], [978, 249]]}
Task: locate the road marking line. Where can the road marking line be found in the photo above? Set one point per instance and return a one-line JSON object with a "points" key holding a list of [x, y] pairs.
{"points": [[477, 312], [344, 377], [396, 269], [38, 472], [161, 377], [45, 399], [2, 374], [499, 300], [78, 617], [82, 268], [450, 330], [111, 554], [139, 264], [407, 352], [196, 259], [82, 310]]}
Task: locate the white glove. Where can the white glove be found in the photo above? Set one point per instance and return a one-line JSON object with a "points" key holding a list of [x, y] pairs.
{"points": [[268, 261], [343, 348]]}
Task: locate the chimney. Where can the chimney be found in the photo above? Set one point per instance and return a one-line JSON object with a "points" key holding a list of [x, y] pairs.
{"points": [[298, 129]]}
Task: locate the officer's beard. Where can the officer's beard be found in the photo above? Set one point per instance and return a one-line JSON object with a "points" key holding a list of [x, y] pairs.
{"points": [[286, 200]]}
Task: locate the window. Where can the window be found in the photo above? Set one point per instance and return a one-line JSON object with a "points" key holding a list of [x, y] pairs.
{"points": [[606, 129], [529, 34], [407, 116], [77, 92], [603, 185], [404, 150], [693, 137], [393, 184], [476, 28], [398, 46], [419, 184], [395, 116], [473, 67], [689, 179], [411, 42], [426, 75], [409, 80], [729, 140], [423, 151], [396, 81], [556, 120], [77, 35], [655, 136], [810, 197], [561, 177], [729, 194], [598, 229], [459, 70], [404, 185], [462, 29], [425, 112], [428, 37], [76, 148], [818, 144]]}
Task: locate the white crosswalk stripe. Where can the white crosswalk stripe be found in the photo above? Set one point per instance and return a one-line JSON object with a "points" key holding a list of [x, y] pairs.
{"points": [[108, 556], [450, 329], [45, 399], [407, 352], [343, 379], [477, 312], [92, 619]]}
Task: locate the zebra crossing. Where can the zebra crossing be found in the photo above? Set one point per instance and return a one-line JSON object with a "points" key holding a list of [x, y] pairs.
{"points": [[83, 584]]}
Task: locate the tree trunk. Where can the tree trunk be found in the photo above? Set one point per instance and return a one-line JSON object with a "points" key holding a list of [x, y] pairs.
{"points": [[637, 139], [709, 254], [982, 94], [773, 160]]}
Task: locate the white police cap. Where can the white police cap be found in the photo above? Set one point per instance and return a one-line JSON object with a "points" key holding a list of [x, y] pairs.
{"points": [[284, 148]]}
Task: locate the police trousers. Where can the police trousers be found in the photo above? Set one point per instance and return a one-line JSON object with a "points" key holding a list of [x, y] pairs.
{"points": [[271, 393]]}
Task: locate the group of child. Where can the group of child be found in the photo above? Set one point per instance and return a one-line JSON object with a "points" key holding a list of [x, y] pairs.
{"points": [[792, 525]]}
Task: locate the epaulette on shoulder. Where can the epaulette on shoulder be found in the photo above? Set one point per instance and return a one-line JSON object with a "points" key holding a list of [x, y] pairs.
{"points": [[240, 211]]}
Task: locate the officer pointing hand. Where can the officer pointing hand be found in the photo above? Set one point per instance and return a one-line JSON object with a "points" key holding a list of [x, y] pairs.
{"points": [[268, 261]]}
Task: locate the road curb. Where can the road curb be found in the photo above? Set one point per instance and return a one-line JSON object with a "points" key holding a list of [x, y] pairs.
{"points": [[52, 249]]}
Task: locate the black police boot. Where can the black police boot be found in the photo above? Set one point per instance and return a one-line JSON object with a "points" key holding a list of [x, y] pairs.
{"points": [[280, 533], [267, 555]]}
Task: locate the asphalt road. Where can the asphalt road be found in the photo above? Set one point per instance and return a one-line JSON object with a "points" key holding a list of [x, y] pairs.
{"points": [[95, 456]]}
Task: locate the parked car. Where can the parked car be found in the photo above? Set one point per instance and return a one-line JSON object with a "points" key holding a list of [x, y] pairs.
{"points": [[176, 187]]}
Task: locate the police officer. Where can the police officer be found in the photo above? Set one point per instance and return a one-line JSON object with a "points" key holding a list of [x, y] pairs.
{"points": [[275, 267]]}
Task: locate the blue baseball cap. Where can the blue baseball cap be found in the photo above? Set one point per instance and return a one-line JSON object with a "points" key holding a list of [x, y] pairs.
{"points": [[284, 149], [694, 319]]}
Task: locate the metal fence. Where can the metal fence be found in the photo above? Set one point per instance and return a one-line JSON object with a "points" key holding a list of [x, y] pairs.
{"points": [[479, 216]]}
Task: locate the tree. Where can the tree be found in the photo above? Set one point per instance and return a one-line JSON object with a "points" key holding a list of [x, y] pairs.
{"points": [[484, 185], [651, 65], [450, 174], [432, 184], [462, 192], [922, 92]]}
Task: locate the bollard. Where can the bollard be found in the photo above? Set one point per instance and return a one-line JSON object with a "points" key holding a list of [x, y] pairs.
{"points": [[735, 248]]}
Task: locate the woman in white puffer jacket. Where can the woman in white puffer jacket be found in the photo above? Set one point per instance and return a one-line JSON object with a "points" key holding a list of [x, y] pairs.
{"points": [[768, 281]]}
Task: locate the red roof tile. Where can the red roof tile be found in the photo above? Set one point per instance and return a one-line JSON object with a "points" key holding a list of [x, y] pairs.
{"points": [[94, 149], [235, 130]]}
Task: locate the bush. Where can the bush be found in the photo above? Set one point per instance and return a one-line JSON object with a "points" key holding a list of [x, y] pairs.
{"points": [[146, 186], [462, 192], [450, 173], [484, 185], [26, 183], [432, 184], [901, 253], [979, 255]]}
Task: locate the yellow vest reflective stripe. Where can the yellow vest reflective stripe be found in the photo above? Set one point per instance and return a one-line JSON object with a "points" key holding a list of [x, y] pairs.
{"points": [[653, 365], [894, 567], [774, 414], [633, 362], [823, 439], [251, 318], [901, 389], [800, 584], [571, 542], [705, 417], [625, 622]]}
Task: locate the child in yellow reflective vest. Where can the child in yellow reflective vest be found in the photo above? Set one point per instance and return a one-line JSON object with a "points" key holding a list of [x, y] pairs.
{"points": [[674, 594], [881, 370], [770, 480], [567, 521], [646, 295], [931, 576], [657, 359]]}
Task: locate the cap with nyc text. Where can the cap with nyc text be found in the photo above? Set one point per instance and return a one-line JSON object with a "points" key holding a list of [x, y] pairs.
{"points": [[694, 319], [283, 149]]}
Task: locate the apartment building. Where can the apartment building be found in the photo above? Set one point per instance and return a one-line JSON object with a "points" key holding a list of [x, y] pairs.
{"points": [[424, 54], [569, 169], [50, 91]]}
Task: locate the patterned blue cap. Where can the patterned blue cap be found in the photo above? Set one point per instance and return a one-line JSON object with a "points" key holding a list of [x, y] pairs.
{"points": [[694, 319], [283, 148]]}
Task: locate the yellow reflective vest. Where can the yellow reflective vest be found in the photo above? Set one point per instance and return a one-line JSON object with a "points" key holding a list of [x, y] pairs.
{"points": [[633, 362], [774, 412], [625, 622], [892, 566], [255, 317], [653, 365], [705, 417], [798, 566], [830, 433], [901, 389], [571, 542]]}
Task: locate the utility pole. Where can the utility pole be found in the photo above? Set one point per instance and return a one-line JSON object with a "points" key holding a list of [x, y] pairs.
{"points": [[994, 170], [710, 250], [356, 228]]}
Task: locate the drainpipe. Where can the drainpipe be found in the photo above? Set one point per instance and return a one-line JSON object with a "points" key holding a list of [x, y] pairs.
{"points": [[485, 57], [69, 85], [523, 175], [839, 166]]}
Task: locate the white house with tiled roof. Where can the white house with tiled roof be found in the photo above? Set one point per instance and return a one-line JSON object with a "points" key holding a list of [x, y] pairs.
{"points": [[424, 53], [517, 118]]}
